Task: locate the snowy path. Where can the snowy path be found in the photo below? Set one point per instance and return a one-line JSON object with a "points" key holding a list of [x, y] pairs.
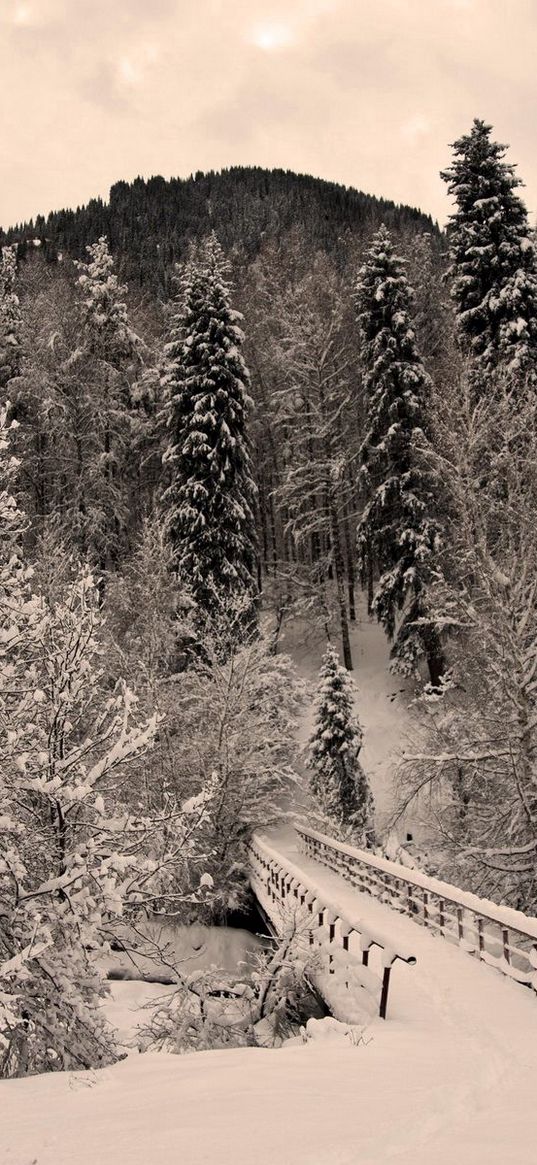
{"points": [[450, 1077]]}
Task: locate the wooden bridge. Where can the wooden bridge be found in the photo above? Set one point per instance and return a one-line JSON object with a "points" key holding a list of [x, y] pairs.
{"points": [[350, 929]]}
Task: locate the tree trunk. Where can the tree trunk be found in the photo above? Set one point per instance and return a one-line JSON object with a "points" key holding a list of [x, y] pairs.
{"points": [[340, 584], [370, 584], [434, 655], [351, 578]]}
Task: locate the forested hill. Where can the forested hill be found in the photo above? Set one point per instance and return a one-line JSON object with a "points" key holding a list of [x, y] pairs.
{"points": [[150, 222]]}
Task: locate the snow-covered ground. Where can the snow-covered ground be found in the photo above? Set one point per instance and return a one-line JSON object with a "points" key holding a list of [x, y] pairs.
{"points": [[450, 1077]]}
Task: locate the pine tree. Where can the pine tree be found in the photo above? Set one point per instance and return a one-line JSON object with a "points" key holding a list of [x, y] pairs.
{"points": [[338, 781], [10, 318], [209, 502], [493, 260], [398, 534]]}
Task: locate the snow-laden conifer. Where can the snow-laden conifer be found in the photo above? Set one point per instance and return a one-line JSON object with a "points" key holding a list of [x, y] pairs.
{"points": [[108, 363], [493, 259], [10, 318], [209, 501], [398, 534], [337, 780], [108, 334]]}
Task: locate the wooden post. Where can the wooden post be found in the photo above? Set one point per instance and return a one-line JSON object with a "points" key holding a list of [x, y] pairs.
{"points": [[460, 927], [425, 907], [506, 950], [441, 915], [480, 938], [331, 937], [383, 1007]]}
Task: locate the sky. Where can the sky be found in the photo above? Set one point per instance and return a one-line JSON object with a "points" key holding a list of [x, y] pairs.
{"points": [[365, 92]]}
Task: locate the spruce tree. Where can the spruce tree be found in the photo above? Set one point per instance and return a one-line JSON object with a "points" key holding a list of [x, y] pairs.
{"points": [[398, 534], [108, 335], [338, 781], [493, 260], [107, 363], [209, 501], [10, 318]]}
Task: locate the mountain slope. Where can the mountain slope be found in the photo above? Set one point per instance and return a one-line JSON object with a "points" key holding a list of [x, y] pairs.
{"points": [[150, 222]]}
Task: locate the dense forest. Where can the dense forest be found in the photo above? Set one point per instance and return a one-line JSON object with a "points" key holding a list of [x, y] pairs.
{"points": [[150, 223], [232, 406]]}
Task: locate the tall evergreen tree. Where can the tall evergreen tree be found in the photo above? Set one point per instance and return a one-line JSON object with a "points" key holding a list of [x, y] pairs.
{"points": [[493, 259], [209, 501], [107, 330], [111, 353], [398, 533], [338, 781], [10, 318]]}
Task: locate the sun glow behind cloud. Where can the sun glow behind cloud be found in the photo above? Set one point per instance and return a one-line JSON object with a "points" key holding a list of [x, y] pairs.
{"points": [[270, 37], [22, 14]]}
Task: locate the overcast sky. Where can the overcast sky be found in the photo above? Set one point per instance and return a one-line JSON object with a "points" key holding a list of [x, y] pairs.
{"points": [[364, 92]]}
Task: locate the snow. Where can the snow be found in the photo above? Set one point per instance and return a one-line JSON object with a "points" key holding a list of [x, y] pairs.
{"points": [[449, 1079]]}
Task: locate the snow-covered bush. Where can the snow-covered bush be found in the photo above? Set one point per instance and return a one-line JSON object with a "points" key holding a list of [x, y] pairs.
{"points": [[211, 1009]]}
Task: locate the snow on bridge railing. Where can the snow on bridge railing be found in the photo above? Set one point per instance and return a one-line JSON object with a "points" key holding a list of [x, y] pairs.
{"points": [[343, 942], [500, 936]]}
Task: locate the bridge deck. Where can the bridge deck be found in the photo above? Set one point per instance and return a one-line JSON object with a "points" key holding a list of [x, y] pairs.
{"points": [[445, 978]]}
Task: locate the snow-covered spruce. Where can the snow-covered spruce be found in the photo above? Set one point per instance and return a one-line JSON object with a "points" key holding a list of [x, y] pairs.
{"points": [[493, 260], [337, 780], [209, 501], [398, 534], [107, 364], [10, 318], [108, 333]]}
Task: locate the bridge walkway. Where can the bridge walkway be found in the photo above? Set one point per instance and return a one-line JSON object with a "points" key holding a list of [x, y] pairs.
{"points": [[458, 997]]}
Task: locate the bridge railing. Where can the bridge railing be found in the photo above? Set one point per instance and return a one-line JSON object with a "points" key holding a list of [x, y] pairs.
{"points": [[286, 894], [504, 938]]}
